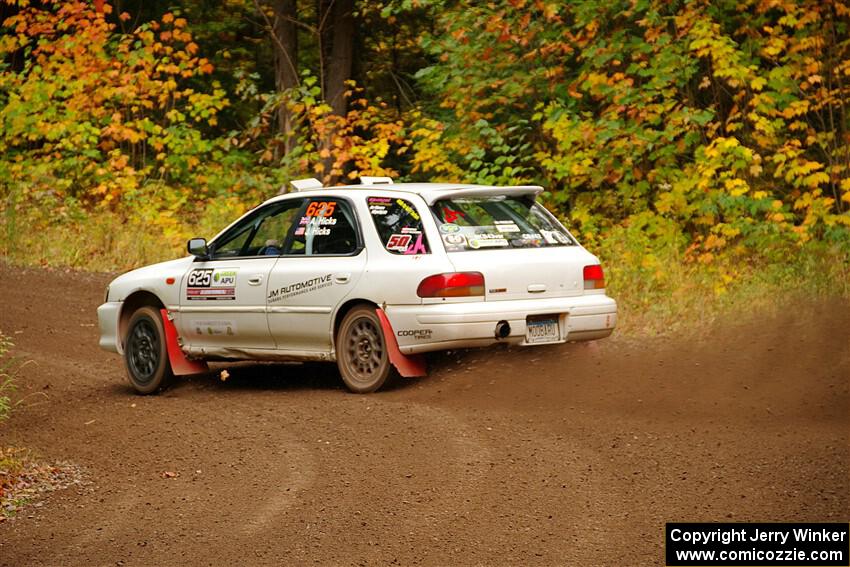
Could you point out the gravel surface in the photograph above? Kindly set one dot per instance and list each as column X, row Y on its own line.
column 562, row 455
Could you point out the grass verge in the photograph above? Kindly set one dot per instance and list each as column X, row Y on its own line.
column 690, row 296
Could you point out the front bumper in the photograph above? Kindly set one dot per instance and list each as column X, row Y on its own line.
column 439, row 326
column 108, row 316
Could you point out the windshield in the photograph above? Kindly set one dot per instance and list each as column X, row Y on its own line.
column 499, row 221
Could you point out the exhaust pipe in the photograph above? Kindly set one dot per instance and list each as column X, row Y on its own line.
column 503, row 329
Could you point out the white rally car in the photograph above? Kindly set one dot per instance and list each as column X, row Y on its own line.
column 369, row 275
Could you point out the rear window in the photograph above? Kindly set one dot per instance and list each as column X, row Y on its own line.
column 398, row 225
column 499, row 221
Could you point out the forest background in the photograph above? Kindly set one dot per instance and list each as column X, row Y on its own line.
column 700, row 148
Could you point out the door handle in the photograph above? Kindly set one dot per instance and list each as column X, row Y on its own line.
column 342, row 278
column 255, row 280
column 537, row 288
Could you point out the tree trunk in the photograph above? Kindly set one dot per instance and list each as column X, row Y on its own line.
column 285, row 45
column 338, row 69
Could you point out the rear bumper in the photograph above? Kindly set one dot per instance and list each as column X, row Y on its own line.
column 424, row 328
column 108, row 316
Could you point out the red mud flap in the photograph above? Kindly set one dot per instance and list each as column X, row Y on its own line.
column 408, row 366
column 180, row 365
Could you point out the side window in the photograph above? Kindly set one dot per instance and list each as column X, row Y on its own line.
column 324, row 227
column 263, row 233
column 398, row 225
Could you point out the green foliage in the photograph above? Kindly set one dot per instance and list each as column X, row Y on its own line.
column 7, row 384
column 727, row 119
column 696, row 146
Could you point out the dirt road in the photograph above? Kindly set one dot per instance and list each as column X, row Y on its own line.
column 575, row 454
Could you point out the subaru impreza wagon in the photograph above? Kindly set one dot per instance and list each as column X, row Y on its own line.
column 370, row 276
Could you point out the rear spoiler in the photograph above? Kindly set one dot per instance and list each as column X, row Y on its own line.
column 433, row 197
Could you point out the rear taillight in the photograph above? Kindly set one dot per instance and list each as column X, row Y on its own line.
column 593, row 277
column 456, row 284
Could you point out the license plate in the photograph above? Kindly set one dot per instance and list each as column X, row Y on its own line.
column 542, row 330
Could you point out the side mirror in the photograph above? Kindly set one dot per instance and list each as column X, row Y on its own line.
column 198, row 247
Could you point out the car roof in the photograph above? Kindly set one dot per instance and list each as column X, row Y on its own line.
column 430, row 192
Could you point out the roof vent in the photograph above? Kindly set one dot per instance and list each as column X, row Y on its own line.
column 306, row 184
column 376, row 180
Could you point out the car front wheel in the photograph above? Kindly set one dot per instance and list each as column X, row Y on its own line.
column 362, row 355
column 145, row 353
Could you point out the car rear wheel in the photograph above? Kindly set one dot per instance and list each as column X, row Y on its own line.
column 145, row 353
column 362, row 355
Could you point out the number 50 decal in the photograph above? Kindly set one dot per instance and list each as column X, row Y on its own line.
column 321, row 208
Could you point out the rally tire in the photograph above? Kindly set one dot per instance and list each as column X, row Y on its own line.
column 145, row 352
column 362, row 354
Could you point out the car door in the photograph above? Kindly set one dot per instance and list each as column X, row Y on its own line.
column 223, row 298
column 323, row 260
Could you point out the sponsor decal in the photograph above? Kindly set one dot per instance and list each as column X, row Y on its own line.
column 449, row 228
column 410, row 230
column 487, row 241
column 224, row 277
column 562, row 238
column 418, row 246
column 300, row 288
column 378, row 205
column 506, row 226
column 211, row 284
column 549, row 236
column 454, row 239
column 450, row 215
column 407, row 208
column 213, row 327
column 497, row 290
column 418, row 334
